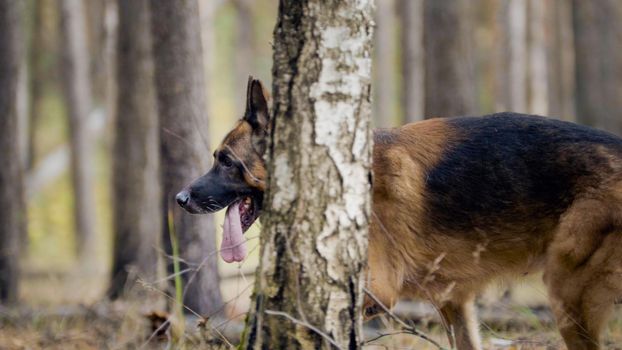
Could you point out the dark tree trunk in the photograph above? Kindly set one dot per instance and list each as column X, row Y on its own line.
column 184, row 148
column 37, row 75
column 136, row 185
column 77, row 90
column 411, row 15
column 43, row 60
column 12, row 206
column 450, row 86
column 598, row 54
column 314, row 236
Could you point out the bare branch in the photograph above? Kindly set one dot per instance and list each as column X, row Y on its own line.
column 304, row 324
column 407, row 328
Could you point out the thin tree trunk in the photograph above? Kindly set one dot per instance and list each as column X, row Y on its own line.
column 314, row 237
column 411, row 15
column 12, row 206
column 101, row 19
column 538, row 52
column 207, row 9
column 37, row 74
column 77, row 92
column 384, row 63
column 561, row 60
column 94, row 19
column 184, row 148
column 109, row 58
column 43, row 59
column 136, row 185
column 512, row 57
column 23, row 110
column 598, row 54
column 244, row 53
column 450, row 86
column 23, row 120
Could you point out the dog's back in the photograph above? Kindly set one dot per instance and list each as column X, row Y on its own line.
column 507, row 169
column 459, row 201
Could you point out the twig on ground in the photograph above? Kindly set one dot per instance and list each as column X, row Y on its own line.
column 407, row 328
column 304, row 324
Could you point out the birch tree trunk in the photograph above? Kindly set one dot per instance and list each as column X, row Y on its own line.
column 450, row 86
column 384, row 64
column 184, row 145
column 136, row 181
column 77, row 90
column 308, row 290
column 12, row 206
column 411, row 15
column 598, row 54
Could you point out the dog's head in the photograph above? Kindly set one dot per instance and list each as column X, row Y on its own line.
column 236, row 180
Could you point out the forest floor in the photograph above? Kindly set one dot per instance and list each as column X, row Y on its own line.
column 59, row 313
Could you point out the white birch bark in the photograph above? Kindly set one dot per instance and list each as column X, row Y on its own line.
column 308, row 291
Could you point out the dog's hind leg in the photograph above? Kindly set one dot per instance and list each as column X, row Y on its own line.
column 583, row 273
column 460, row 320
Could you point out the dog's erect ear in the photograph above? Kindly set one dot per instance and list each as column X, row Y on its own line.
column 257, row 110
column 258, row 113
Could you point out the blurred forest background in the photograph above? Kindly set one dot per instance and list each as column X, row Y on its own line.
column 99, row 149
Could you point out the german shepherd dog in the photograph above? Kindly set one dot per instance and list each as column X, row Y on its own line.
column 458, row 202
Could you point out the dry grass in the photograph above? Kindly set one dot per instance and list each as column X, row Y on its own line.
column 62, row 310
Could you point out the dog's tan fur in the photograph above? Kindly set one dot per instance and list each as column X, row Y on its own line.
column 408, row 257
column 411, row 256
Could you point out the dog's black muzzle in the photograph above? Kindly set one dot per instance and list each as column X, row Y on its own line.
column 212, row 192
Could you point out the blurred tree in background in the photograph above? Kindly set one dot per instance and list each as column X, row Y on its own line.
column 136, row 179
column 77, row 93
column 411, row 40
column 12, row 207
column 384, row 47
column 184, row 146
column 598, row 52
column 449, row 60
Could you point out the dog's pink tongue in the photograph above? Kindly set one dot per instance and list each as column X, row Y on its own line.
column 233, row 246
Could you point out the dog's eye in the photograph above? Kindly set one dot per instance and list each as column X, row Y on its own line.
column 226, row 162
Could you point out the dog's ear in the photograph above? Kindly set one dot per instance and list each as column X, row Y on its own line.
column 257, row 109
column 258, row 113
